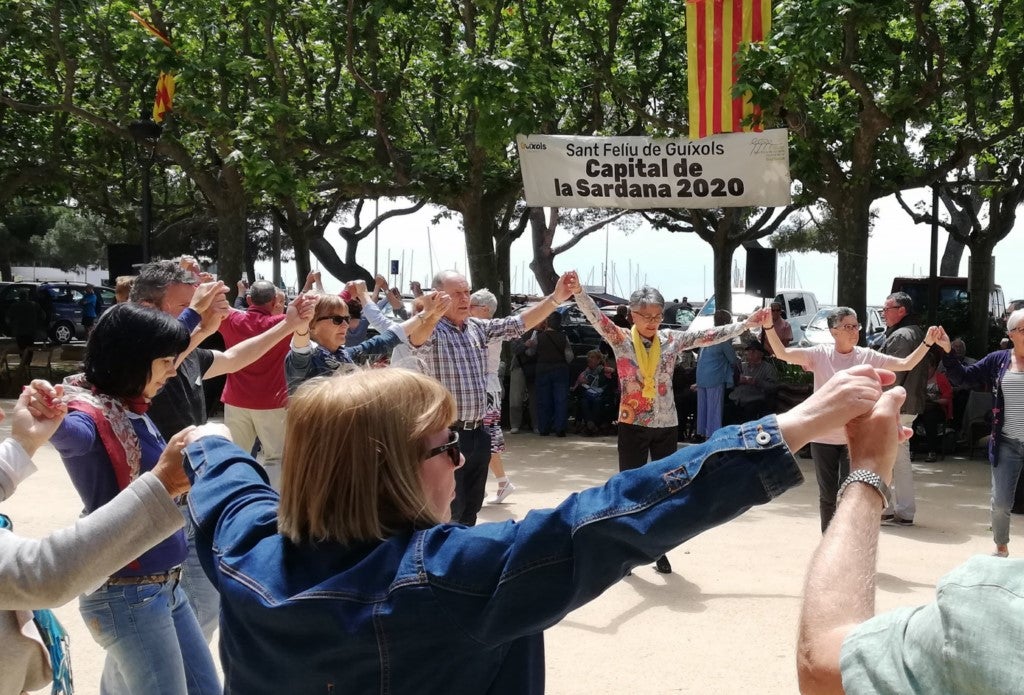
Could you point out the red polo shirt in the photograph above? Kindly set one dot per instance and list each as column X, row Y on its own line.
column 261, row 385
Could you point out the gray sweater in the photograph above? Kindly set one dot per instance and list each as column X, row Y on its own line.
column 50, row 572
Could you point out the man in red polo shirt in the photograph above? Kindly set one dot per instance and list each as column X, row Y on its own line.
column 255, row 397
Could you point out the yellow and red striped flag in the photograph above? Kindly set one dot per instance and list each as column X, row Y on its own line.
column 714, row 31
column 164, row 100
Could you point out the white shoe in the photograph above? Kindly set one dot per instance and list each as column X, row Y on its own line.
column 503, row 492
column 514, row 430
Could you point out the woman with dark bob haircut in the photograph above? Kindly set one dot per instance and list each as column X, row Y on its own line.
column 140, row 615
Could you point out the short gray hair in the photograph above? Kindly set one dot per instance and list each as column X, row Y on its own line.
column 438, row 282
column 154, row 278
column 1015, row 318
column 838, row 314
column 485, row 298
column 902, row 299
column 262, row 292
column 646, row 296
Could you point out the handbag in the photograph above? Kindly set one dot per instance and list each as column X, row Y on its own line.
column 55, row 639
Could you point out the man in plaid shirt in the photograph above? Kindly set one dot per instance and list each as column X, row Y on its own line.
column 456, row 355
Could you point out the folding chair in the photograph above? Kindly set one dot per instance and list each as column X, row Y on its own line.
column 42, row 361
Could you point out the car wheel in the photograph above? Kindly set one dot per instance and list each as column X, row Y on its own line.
column 62, row 332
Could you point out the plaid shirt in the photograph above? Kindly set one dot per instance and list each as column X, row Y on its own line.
column 457, row 357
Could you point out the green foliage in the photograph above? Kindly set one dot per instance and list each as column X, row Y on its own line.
column 76, row 240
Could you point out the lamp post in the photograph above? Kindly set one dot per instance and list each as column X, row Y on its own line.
column 146, row 132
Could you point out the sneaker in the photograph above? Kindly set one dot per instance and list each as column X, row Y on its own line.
column 902, row 522
column 514, row 430
column 662, row 566
column 887, row 518
column 503, row 492
column 931, row 457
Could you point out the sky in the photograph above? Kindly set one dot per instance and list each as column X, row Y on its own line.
column 677, row 264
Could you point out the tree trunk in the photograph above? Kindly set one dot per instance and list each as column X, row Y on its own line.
column 723, row 252
column 275, row 254
column 951, row 256
column 853, row 252
column 979, row 285
column 543, row 263
column 232, row 228
column 478, row 225
column 332, row 263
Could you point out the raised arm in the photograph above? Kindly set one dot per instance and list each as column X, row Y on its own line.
column 840, row 590
column 719, row 334
column 539, row 312
column 792, row 355
column 210, row 304
column 936, row 335
column 248, row 351
column 612, row 334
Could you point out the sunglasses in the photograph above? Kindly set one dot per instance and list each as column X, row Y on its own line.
column 336, row 320
column 451, row 447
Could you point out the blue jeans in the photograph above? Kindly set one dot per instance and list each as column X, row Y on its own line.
column 152, row 640
column 1008, row 463
column 552, row 391
column 201, row 594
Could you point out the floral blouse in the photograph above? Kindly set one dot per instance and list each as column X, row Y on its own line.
column 634, row 409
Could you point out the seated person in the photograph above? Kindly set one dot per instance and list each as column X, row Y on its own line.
column 938, row 410
column 591, row 393
column 754, row 394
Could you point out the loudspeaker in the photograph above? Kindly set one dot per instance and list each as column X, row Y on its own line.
column 761, row 272
column 121, row 258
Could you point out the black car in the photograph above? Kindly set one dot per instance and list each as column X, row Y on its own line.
column 59, row 301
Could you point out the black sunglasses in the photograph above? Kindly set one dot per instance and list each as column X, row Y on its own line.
column 336, row 320
column 451, row 447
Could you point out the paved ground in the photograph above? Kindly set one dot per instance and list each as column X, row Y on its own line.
column 724, row 622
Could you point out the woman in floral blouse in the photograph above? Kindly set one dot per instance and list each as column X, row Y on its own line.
column 645, row 358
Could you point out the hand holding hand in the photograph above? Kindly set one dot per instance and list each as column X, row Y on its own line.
column 206, row 294
column 416, row 289
column 190, row 264
column 760, row 318
column 169, row 468
column 356, row 288
column 568, row 285
column 873, row 436
column 380, row 282
column 300, row 311
column 210, row 429
column 37, row 414
column 936, row 335
column 436, row 304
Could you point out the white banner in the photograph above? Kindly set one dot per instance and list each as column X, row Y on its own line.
column 726, row 170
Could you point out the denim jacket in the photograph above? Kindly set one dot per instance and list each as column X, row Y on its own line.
column 448, row 609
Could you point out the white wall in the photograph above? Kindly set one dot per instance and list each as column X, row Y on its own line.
column 96, row 276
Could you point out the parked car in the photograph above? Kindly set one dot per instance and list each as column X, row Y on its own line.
column 60, row 301
column 797, row 306
column 816, row 331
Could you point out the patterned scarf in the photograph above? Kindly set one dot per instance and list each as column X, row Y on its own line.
column 647, row 362
column 110, row 416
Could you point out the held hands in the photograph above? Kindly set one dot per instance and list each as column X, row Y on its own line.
column 210, row 294
column 936, row 335
column 300, row 311
column 380, row 282
column 169, row 468
column 568, row 285
column 37, row 414
column 436, row 304
column 356, row 289
column 416, row 288
column 873, row 436
column 760, row 318
column 210, row 429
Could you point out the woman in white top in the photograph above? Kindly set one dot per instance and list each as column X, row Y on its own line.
column 831, row 457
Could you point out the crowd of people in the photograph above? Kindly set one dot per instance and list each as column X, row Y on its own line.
column 346, row 556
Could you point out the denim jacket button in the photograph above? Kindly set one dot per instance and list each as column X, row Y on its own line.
column 763, row 438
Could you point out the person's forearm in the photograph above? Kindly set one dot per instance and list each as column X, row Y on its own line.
column 540, row 311
column 248, row 351
column 840, row 588
column 905, row 364
column 612, row 334
column 378, row 321
column 778, row 349
column 419, row 327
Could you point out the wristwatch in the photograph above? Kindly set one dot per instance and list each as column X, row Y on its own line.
column 868, row 478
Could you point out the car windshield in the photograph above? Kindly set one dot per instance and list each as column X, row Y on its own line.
column 820, row 320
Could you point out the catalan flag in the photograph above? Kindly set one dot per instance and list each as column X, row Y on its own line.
column 714, row 31
column 164, row 100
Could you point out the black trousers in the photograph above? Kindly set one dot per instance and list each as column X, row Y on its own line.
column 636, row 443
column 471, row 479
column 831, row 466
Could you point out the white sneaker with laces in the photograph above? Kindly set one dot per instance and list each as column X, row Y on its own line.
column 503, row 492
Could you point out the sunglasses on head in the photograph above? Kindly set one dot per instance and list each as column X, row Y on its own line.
column 337, row 320
column 451, row 447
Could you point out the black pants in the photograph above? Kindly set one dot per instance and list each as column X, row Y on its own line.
column 635, row 443
column 831, row 466
column 471, row 479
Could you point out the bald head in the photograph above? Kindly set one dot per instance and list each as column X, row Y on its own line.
column 262, row 293
column 457, row 287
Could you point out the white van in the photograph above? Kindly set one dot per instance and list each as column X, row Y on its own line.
column 797, row 305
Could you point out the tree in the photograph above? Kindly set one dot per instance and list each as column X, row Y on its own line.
column 76, row 240
column 870, row 92
column 725, row 229
column 582, row 223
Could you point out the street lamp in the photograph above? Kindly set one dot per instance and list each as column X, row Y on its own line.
column 146, row 132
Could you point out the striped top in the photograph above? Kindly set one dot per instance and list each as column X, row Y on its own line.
column 1013, row 398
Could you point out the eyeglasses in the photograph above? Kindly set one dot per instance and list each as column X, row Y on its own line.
column 847, row 327
column 336, row 319
column 451, row 447
column 649, row 319
column 1018, row 329
column 889, row 308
